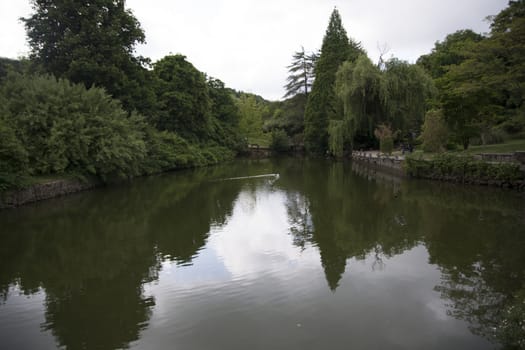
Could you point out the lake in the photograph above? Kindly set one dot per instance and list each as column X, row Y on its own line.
column 266, row 254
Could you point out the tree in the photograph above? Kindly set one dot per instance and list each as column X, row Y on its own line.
column 301, row 73
column 225, row 116
column 396, row 95
column 405, row 92
column 450, row 51
column 91, row 42
column 184, row 101
column 485, row 90
column 434, row 132
column 64, row 127
column 251, row 112
column 358, row 87
column 321, row 104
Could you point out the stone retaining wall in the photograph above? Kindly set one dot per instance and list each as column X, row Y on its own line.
column 47, row 190
column 393, row 164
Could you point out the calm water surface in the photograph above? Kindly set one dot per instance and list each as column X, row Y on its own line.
column 315, row 255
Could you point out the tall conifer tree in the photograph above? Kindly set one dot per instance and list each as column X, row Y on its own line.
column 321, row 105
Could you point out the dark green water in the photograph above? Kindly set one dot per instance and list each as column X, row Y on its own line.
column 324, row 256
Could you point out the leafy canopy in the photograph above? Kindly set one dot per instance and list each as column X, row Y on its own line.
column 91, row 42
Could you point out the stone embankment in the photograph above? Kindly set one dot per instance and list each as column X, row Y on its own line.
column 501, row 170
column 515, row 157
column 256, row 151
column 42, row 191
column 393, row 164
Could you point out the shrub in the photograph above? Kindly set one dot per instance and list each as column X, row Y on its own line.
column 280, row 141
column 462, row 169
column 386, row 138
column 434, row 132
column 50, row 126
column 13, row 158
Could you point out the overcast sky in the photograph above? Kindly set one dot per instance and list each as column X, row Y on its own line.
column 248, row 43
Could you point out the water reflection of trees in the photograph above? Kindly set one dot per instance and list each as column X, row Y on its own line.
column 475, row 237
column 92, row 253
column 343, row 216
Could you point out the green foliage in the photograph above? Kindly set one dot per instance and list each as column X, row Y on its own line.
column 322, row 103
column 405, row 91
column 91, row 42
column 13, row 157
column 183, row 98
column 336, row 137
column 434, row 132
column 462, row 169
column 480, row 78
column 301, row 73
column 358, row 86
column 396, row 95
column 10, row 65
column 225, row 116
column 50, row 126
column 251, row 116
column 450, row 51
column 280, row 141
column 289, row 116
column 64, row 127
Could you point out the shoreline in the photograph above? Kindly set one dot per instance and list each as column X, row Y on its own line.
column 424, row 169
column 47, row 190
column 395, row 165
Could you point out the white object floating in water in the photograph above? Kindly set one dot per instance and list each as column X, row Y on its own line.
column 274, row 176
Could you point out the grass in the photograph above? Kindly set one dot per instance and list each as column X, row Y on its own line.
column 506, row 147
column 263, row 140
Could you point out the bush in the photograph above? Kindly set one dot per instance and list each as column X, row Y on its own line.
column 65, row 127
column 50, row 126
column 13, row 158
column 386, row 138
column 462, row 169
column 434, row 132
column 280, row 141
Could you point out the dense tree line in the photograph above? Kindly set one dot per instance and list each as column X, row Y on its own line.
column 480, row 79
column 468, row 89
column 350, row 97
column 85, row 104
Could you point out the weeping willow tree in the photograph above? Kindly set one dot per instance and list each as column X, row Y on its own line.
column 405, row 90
column 396, row 96
column 358, row 86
